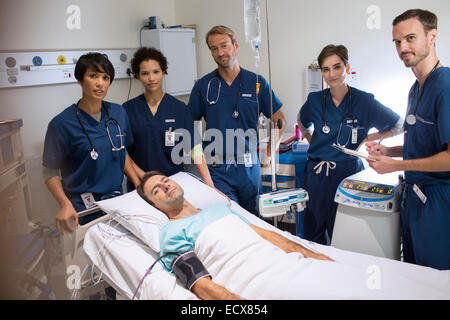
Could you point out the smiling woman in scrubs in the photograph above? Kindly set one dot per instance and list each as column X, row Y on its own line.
column 154, row 117
column 341, row 115
column 86, row 144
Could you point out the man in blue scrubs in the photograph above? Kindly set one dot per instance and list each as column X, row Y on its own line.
column 425, row 205
column 230, row 99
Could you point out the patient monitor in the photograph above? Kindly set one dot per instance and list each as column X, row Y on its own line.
column 368, row 214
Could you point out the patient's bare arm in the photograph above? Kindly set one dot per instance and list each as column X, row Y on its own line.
column 207, row 289
column 287, row 245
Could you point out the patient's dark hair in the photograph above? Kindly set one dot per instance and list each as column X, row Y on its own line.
column 140, row 188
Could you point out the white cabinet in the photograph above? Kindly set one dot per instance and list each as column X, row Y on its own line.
column 178, row 45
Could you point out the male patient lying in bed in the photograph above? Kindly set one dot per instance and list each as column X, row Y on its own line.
column 187, row 222
column 215, row 243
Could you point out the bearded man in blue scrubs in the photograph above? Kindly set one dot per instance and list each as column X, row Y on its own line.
column 425, row 205
column 230, row 99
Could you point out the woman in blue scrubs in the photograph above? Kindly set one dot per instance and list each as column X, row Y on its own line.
column 156, row 119
column 86, row 143
column 340, row 115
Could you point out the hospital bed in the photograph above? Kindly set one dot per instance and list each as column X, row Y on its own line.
column 117, row 256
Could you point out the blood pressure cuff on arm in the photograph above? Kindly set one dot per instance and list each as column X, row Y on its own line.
column 189, row 269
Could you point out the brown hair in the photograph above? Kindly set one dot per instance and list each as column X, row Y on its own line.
column 331, row 49
column 221, row 30
column 144, row 179
column 428, row 19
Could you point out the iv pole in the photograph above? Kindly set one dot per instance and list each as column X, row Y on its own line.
column 272, row 124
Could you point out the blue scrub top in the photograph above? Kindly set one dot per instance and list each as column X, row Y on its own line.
column 67, row 147
column 367, row 111
column 149, row 149
column 423, row 140
column 220, row 115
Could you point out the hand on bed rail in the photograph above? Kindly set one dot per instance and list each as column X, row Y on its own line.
column 63, row 218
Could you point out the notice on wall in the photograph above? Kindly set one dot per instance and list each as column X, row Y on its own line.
column 314, row 80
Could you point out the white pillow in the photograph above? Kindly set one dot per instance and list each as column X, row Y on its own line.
column 136, row 215
column 199, row 194
column 144, row 220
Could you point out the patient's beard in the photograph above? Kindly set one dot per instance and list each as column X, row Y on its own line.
column 177, row 202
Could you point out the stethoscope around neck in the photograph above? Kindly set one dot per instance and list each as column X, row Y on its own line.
column 93, row 153
column 326, row 129
column 412, row 118
column 216, row 77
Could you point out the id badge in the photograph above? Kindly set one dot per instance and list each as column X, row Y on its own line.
column 354, row 135
column 248, row 160
column 88, row 200
column 215, row 162
column 419, row 193
column 170, row 138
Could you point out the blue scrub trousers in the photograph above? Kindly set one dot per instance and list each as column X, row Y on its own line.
column 320, row 212
column 426, row 227
column 239, row 183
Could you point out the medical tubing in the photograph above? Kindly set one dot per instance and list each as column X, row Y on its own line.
column 78, row 283
column 93, row 282
column 268, row 58
column 149, row 270
column 257, row 116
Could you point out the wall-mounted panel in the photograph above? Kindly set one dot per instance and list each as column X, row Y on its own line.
column 21, row 69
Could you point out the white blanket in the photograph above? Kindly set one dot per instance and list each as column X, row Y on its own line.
column 249, row 266
column 240, row 260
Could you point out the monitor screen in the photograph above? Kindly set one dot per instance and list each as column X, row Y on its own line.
column 367, row 187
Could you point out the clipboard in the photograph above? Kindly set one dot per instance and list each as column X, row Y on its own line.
column 352, row 152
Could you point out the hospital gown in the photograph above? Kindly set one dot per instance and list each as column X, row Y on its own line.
column 179, row 236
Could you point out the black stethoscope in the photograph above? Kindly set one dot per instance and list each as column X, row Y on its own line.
column 93, row 153
column 216, row 76
column 326, row 129
column 412, row 118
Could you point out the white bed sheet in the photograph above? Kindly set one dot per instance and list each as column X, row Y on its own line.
column 124, row 260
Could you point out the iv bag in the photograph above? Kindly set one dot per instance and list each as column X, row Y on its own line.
column 252, row 22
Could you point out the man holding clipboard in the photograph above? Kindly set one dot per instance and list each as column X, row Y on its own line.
column 425, row 213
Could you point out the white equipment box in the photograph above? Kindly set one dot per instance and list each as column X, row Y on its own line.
column 15, row 205
column 178, row 46
column 277, row 203
column 368, row 214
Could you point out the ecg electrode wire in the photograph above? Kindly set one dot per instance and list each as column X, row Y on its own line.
column 150, row 270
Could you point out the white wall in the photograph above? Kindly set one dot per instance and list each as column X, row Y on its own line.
column 41, row 25
column 299, row 29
